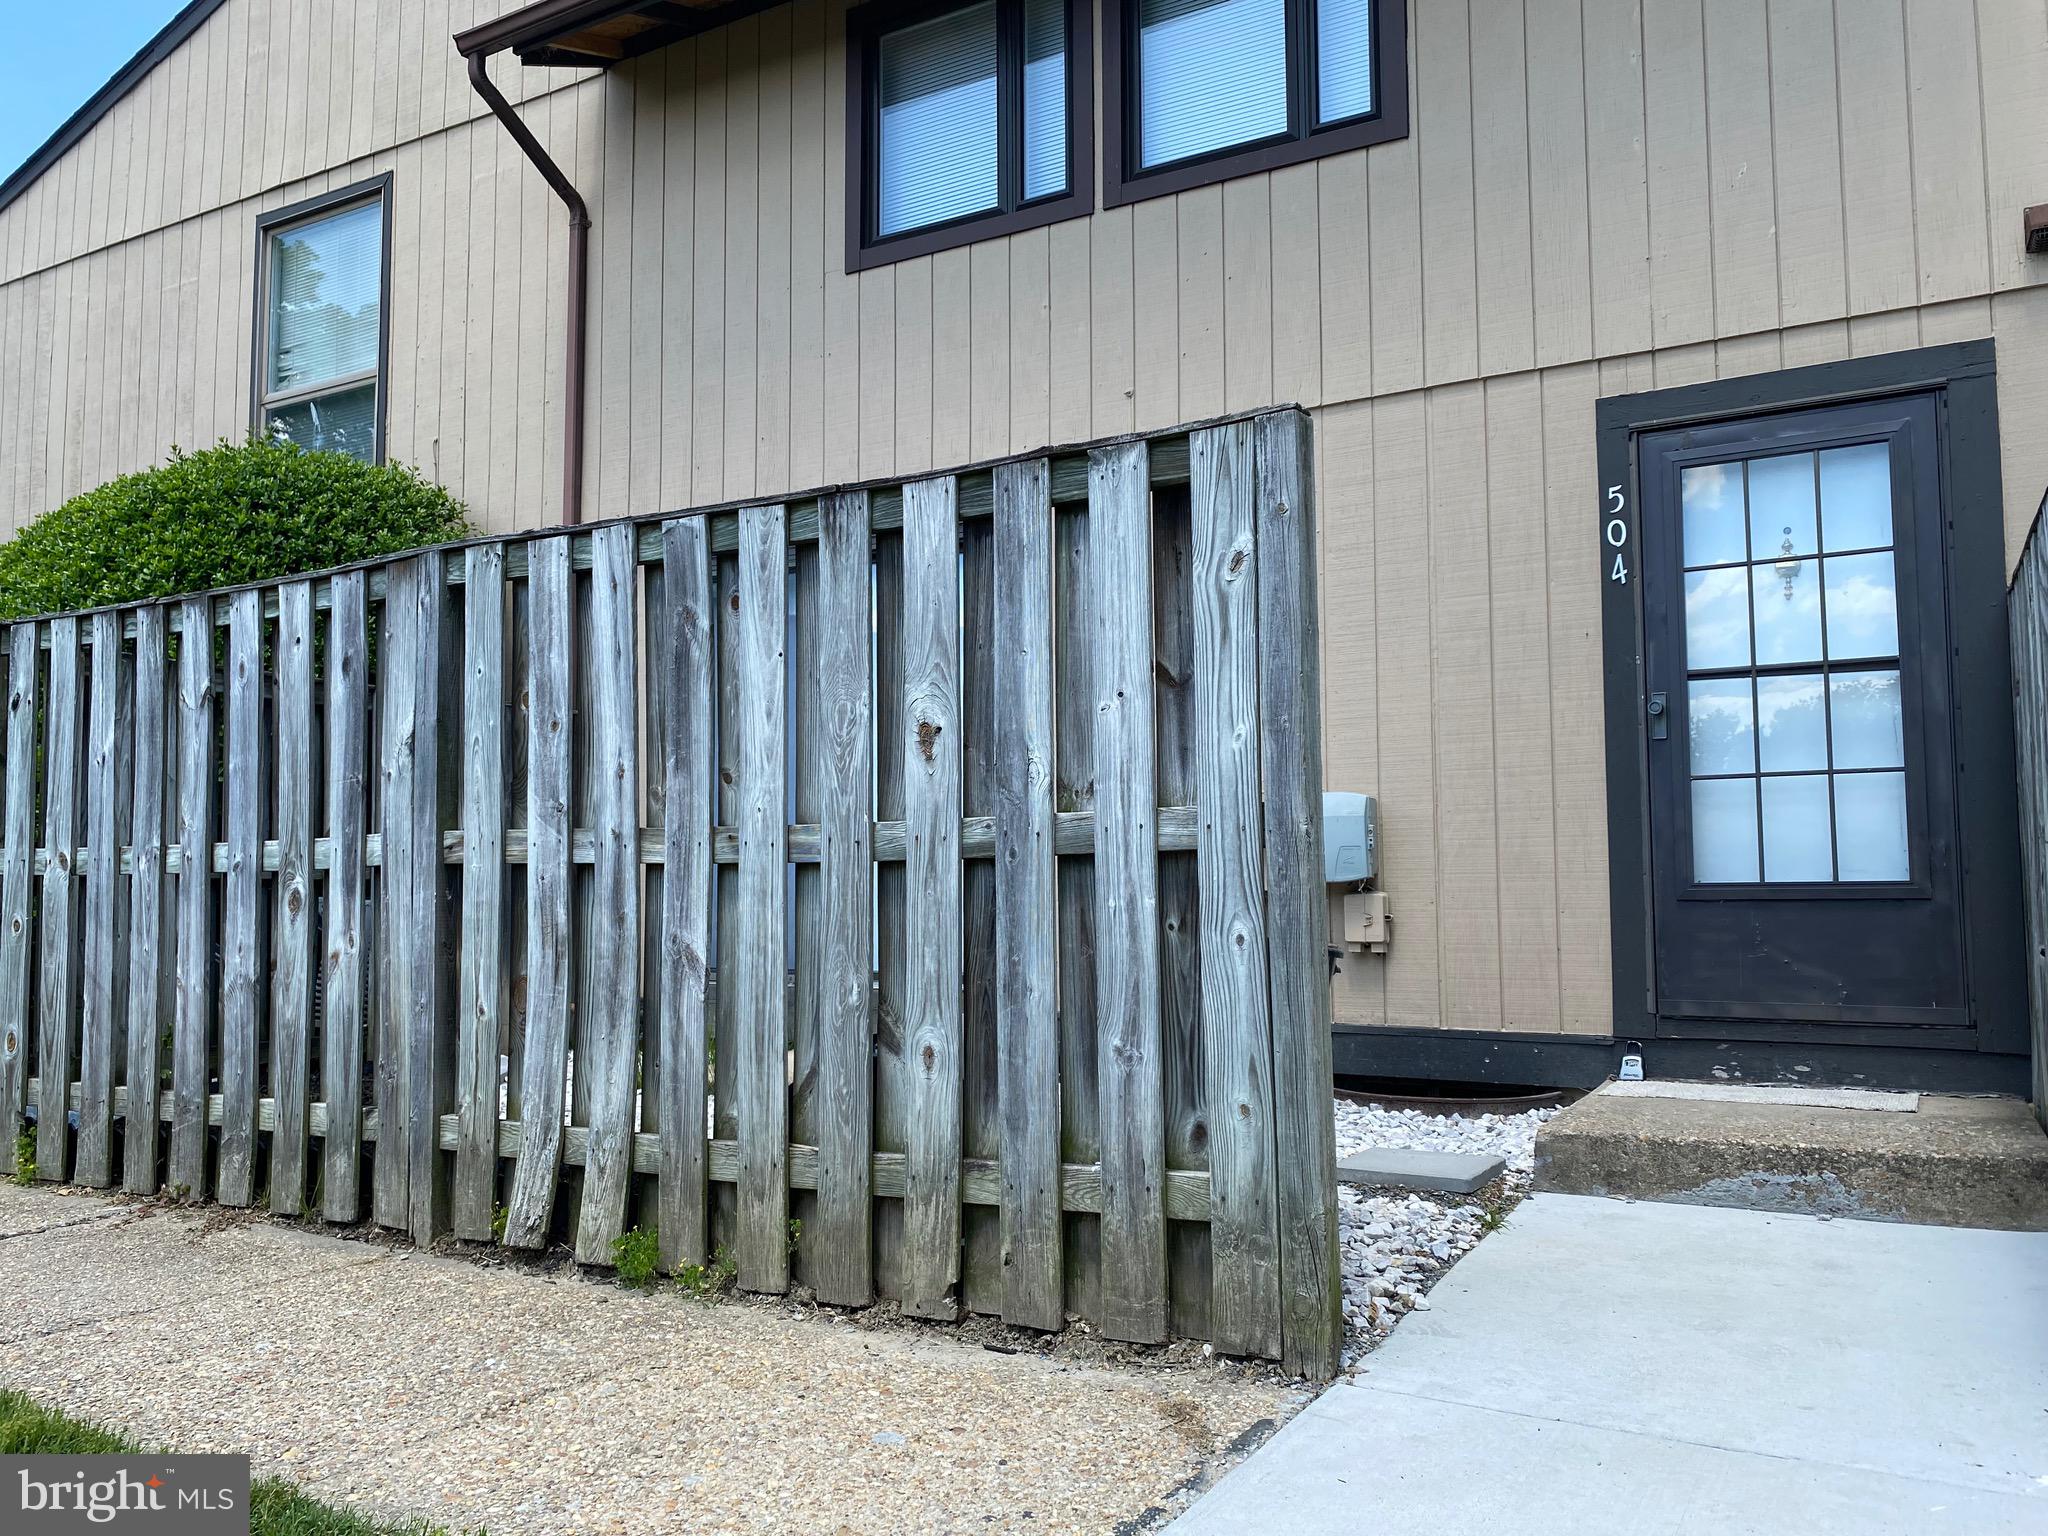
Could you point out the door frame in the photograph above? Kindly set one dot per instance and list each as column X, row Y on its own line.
column 1963, row 378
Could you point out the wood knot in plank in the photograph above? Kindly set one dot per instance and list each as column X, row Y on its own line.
column 927, row 738
column 1237, row 560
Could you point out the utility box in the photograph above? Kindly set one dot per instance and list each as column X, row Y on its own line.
column 1350, row 843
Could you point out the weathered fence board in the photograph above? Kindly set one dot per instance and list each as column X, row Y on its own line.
column 2028, row 617
column 935, row 864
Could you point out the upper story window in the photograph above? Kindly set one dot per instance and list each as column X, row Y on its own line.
column 321, row 333
column 1200, row 90
column 965, row 122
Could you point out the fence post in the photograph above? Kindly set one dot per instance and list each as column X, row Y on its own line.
column 1291, row 752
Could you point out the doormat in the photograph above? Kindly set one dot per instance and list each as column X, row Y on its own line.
column 1747, row 1093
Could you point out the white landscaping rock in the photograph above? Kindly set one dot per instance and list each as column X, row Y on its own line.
column 1395, row 1246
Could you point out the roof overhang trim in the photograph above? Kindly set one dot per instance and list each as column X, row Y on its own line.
column 596, row 34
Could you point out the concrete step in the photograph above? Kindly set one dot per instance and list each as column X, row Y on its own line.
column 1950, row 1162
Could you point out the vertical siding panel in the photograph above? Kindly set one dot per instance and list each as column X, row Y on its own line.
column 1030, row 339
column 1877, row 165
column 1825, row 341
column 1681, row 212
column 236, row 128
column 1345, row 273
column 2022, row 322
column 842, row 296
column 1202, row 280
column 384, row 28
column 1112, row 321
column 1501, row 189
column 772, row 341
column 1155, row 241
column 613, row 327
column 513, row 360
column 1743, row 191
column 989, row 334
column 953, row 372
column 460, row 249
column 1943, row 90
column 1962, row 320
column 912, row 350
column 678, row 292
column 743, row 193
column 707, row 425
column 1247, row 300
column 1522, row 688
column 486, row 259
column 649, row 184
column 1443, row 133
column 877, row 290
column 259, row 59
column 1072, row 403
column 1394, row 231
column 814, row 182
column 1468, row 881
column 2013, row 47
column 1806, row 163
column 1617, row 174
column 401, row 428
column 1407, row 782
column 1297, row 299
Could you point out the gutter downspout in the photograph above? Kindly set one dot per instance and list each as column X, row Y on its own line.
column 579, row 284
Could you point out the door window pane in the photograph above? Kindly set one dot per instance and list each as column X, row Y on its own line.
column 1796, row 829
column 326, row 298
column 1863, row 606
column 1343, row 59
column 1718, row 725
column 1787, row 597
column 1781, row 518
column 1792, row 727
column 936, row 147
column 1724, row 831
column 1856, row 497
column 1716, row 619
column 1211, row 74
column 1870, row 826
column 343, row 422
column 1869, row 724
column 1711, row 499
column 1045, row 98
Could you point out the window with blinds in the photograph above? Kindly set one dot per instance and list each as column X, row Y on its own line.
column 1201, row 90
column 323, row 296
column 970, row 122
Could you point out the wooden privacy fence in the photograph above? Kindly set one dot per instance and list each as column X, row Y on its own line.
column 918, row 887
column 2028, row 611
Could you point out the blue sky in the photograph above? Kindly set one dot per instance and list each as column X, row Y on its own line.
column 59, row 54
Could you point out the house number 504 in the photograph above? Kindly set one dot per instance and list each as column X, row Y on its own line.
column 1617, row 534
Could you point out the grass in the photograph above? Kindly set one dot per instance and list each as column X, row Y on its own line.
column 25, row 1159
column 275, row 1508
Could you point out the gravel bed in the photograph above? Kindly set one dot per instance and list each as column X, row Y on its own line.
column 1396, row 1244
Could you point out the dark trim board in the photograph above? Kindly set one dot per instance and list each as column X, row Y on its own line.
column 1586, row 1061
column 1963, row 377
column 126, row 78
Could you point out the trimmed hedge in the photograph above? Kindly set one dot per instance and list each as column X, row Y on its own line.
column 235, row 513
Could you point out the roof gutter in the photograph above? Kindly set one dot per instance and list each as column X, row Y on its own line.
column 579, row 281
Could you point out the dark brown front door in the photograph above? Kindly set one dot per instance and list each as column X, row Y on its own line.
column 1802, row 783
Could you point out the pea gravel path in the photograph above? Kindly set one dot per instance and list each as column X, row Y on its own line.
column 537, row 1402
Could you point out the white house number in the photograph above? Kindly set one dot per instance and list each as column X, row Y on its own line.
column 1617, row 534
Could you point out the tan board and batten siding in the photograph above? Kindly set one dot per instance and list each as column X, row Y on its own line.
column 1599, row 196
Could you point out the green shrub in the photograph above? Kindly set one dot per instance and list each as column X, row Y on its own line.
column 235, row 513
column 637, row 1257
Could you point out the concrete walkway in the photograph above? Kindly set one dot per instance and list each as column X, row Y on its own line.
column 1604, row 1367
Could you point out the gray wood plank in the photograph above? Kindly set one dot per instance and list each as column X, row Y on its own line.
column 932, row 764
column 480, row 1017
column 416, row 884
column 982, row 1284
column 544, row 1063
column 762, row 1086
column 152, row 936
column 1291, row 755
column 18, row 876
column 656, row 688
column 241, row 953
column 291, row 920
column 398, row 673
column 892, row 1065
column 806, row 937
column 57, row 982
column 1245, row 1304
column 343, row 977
column 609, row 1057
column 194, row 1003
column 842, row 1271
column 689, row 732
column 726, row 935
column 1127, row 900
column 102, row 1042
column 1027, row 915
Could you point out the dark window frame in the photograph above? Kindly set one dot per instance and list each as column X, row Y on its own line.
column 1125, row 181
column 865, row 27
column 375, row 189
column 1964, row 377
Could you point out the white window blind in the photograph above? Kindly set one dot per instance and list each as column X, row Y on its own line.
column 342, row 422
column 1211, row 73
column 1045, row 98
column 936, row 156
column 1343, row 60
column 326, row 299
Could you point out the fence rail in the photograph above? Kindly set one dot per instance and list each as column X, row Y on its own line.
column 912, row 890
column 2028, row 608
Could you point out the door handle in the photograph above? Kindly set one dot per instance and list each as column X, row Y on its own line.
column 1660, row 725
